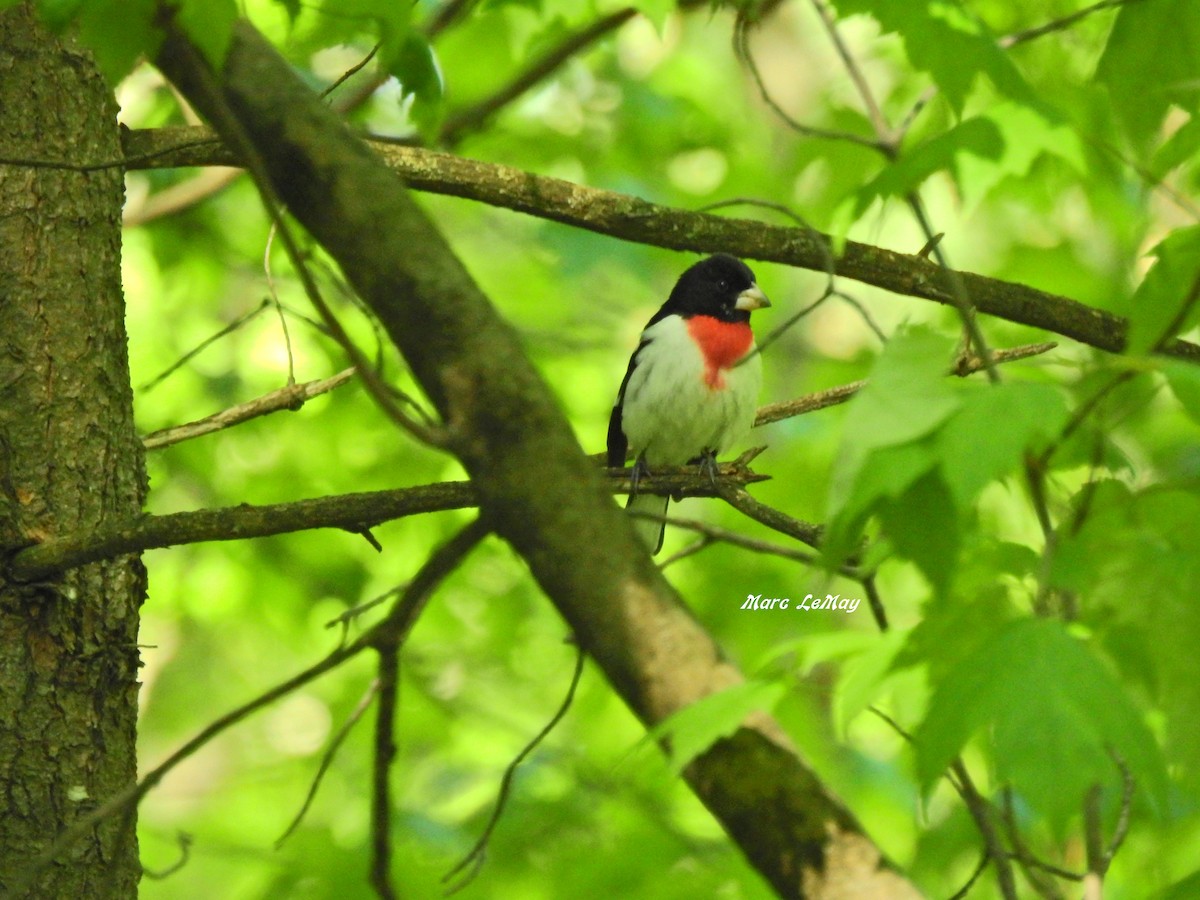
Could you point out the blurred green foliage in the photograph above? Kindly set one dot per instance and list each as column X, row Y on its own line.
column 1040, row 162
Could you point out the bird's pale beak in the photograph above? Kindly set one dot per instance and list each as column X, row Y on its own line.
column 752, row 298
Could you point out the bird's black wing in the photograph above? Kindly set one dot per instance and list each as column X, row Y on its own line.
column 618, row 443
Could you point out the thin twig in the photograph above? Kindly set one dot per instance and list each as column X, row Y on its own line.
column 203, row 345
column 475, row 856
column 713, row 533
column 742, row 48
column 962, row 892
column 1043, row 886
column 877, row 608
column 740, row 499
column 692, row 549
column 287, row 338
column 1060, row 24
column 447, row 15
column 981, row 812
column 883, row 131
column 381, row 771
column 350, row 72
column 291, row 398
column 1124, row 814
column 476, row 116
column 184, row 840
column 327, row 760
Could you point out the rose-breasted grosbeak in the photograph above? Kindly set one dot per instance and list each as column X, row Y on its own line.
column 685, row 397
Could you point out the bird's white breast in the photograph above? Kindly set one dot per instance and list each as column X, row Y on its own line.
column 672, row 413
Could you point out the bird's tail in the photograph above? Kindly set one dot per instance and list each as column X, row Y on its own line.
column 650, row 530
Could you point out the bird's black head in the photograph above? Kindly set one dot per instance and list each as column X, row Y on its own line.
column 721, row 286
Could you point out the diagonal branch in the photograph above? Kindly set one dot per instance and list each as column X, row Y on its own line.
column 477, row 116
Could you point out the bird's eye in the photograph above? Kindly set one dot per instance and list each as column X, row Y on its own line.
column 723, row 285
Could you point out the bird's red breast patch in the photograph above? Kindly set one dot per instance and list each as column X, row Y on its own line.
column 721, row 343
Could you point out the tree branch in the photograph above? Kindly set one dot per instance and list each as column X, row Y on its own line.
column 354, row 513
column 633, row 219
column 292, row 396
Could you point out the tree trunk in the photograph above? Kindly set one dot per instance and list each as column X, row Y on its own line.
column 69, row 461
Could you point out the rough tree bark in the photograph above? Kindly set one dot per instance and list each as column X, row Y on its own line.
column 70, row 461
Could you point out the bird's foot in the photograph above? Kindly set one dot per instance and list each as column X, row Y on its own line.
column 639, row 471
column 708, row 465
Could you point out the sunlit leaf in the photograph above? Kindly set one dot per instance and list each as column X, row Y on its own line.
column 1184, row 379
column 1167, row 301
column 698, row 726
column 949, row 42
column 119, row 32
column 413, row 64
column 209, row 25
column 57, row 14
column 1151, row 61
column 987, row 438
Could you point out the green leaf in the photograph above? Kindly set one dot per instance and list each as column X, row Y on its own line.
column 1184, row 379
column 1151, row 61
column 1157, row 309
column 119, row 33
column 209, row 25
column 975, row 136
column 1027, row 134
column 986, row 439
column 906, row 397
column 923, row 526
column 698, row 726
column 1178, row 148
column 57, row 14
column 1053, row 711
column 413, row 64
column 292, row 8
column 657, row 12
column 949, row 42
column 863, row 676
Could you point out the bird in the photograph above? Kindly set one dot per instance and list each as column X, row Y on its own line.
column 691, row 388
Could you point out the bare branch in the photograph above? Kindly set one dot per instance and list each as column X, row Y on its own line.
column 387, row 637
column 632, row 219
column 741, row 44
column 381, row 771
column 291, row 397
column 979, row 870
column 355, row 513
column 966, row 365
column 327, row 758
